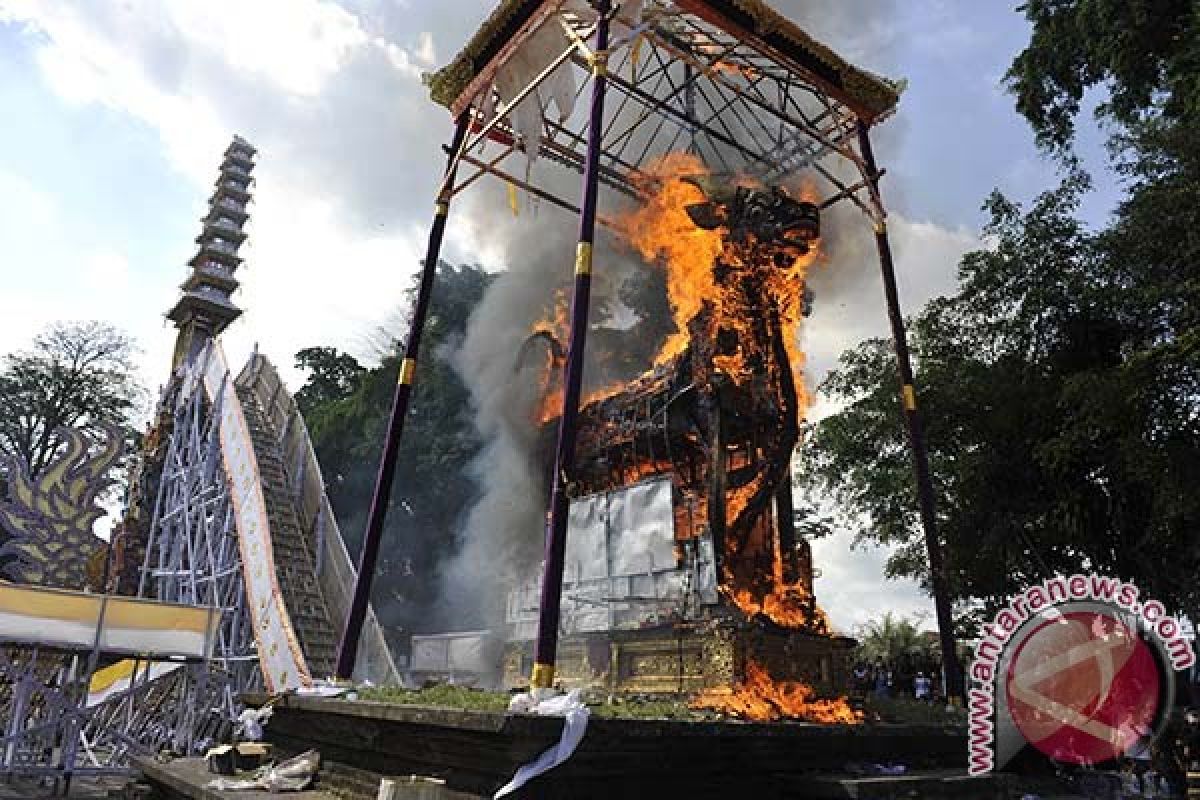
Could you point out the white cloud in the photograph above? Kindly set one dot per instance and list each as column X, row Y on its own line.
column 852, row 590
column 24, row 206
column 426, row 54
column 343, row 128
column 848, row 305
column 106, row 271
column 309, row 40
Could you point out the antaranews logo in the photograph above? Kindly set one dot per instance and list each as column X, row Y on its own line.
column 1078, row 667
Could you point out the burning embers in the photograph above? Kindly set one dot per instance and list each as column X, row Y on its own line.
column 761, row 699
column 720, row 409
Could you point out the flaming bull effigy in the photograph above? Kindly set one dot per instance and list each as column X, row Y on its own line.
column 712, row 426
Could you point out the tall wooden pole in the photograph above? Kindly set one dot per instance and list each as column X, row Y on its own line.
column 546, row 646
column 916, row 433
column 352, row 630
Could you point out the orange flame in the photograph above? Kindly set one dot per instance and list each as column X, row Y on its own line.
column 789, row 606
column 555, row 323
column 761, row 699
column 663, row 233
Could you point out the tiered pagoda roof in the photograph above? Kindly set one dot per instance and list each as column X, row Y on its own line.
column 206, row 307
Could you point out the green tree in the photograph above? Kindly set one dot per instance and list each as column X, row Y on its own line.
column 1144, row 53
column 332, row 375
column 1061, row 383
column 893, row 639
column 1057, row 441
column 346, row 407
column 1145, row 56
column 76, row 374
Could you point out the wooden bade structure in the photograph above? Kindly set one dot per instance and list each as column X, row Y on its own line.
column 602, row 90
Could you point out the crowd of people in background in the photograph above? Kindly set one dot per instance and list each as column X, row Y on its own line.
column 915, row 678
column 1158, row 768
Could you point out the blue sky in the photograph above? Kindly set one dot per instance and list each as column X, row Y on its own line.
column 113, row 117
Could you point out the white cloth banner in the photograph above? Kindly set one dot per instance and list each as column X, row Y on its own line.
column 575, row 714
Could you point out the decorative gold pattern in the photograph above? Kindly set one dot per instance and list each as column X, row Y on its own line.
column 599, row 62
column 910, row 397
column 49, row 517
column 648, row 660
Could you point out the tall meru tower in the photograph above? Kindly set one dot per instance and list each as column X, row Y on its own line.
column 205, row 309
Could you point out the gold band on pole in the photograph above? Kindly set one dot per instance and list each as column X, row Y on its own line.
column 583, row 258
column 408, row 370
column 542, row 677
column 441, row 209
column 910, row 397
column 599, row 62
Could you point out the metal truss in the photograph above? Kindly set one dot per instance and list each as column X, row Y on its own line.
column 52, row 732
column 684, row 84
column 192, row 555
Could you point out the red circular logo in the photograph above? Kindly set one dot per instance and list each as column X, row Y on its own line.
column 1083, row 688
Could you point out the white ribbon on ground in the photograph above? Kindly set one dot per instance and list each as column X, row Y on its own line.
column 575, row 714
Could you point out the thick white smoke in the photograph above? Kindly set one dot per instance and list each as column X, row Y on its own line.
column 501, row 541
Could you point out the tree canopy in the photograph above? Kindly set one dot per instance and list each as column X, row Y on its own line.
column 1061, row 382
column 892, row 639
column 1056, row 443
column 76, row 374
column 1145, row 54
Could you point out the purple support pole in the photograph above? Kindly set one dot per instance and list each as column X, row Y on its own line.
column 564, row 457
column 916, row 437
column 352, row 630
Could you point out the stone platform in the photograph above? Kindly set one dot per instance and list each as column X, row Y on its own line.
column 476, row 752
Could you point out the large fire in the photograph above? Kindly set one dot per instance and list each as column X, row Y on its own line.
column 735, row 256
column 663, row 233
column 761, row 699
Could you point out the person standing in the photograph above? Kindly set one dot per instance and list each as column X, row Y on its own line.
column 922, row 687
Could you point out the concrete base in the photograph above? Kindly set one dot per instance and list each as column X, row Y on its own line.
column 184, row 779
column 476, row 752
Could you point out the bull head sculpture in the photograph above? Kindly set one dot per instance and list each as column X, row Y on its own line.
column 770, row 217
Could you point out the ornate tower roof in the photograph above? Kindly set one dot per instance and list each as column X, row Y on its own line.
column 205, row 308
